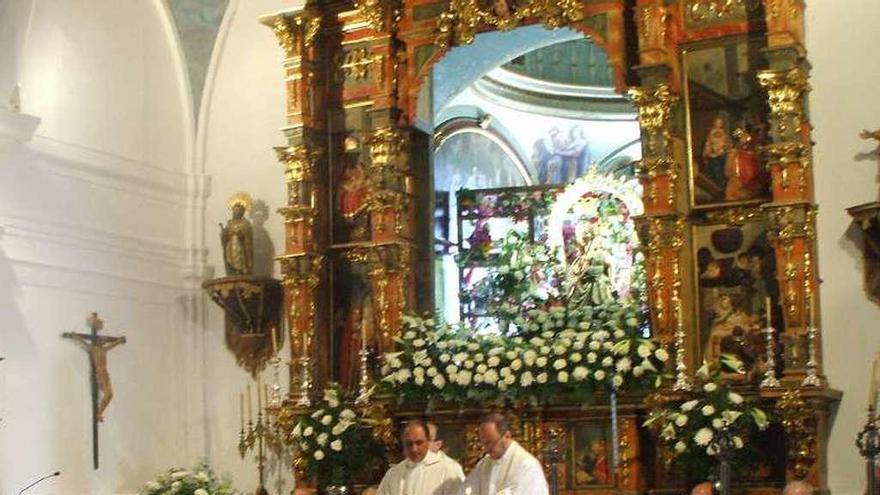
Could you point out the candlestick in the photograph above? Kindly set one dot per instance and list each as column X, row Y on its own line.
column 770, row 380
column 682, row 381
column 812, row 379
column 241, row 409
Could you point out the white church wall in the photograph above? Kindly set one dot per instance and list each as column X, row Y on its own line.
column 244, row 111
column 91, row 220
column 843, row 102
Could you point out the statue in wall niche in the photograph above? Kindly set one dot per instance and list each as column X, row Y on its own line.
column 237, row 238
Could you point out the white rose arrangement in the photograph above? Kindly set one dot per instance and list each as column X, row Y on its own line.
column 692, row 428
column 333, row 440
column 200, row 480
column 577, row 352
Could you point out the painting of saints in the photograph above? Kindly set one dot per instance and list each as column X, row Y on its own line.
column 736, row 276
column 592, row 462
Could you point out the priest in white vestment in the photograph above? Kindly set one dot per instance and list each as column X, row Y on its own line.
column 507, row 468
column 423, row 472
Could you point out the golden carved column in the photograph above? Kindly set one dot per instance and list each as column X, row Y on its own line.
column 390, row 207
column 652, row 18
column 792, row 212
column 302, row 264
column 661, row 225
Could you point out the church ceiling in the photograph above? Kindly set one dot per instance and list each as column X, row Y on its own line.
column 197, row 23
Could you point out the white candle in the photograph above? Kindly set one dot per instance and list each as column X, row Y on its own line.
column 274, row 342
column 812, row 322
column 767, row 310
column 875, row 376
column 241, row 408
column 249, row 403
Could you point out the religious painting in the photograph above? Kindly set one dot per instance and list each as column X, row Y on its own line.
column 736, row 279
column 592, row 456
column 727, row 123
column 562, row 155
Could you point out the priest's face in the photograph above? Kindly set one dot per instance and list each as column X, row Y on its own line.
column 494, row 443
column 415, row 443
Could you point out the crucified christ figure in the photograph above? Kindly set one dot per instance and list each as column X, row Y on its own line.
column 97, row 347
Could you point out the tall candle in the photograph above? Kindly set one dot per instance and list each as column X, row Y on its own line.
column 812, row 322
column 249, row 416
column 875, row 373
column 274, row 342
column 241, row 408
column 259, row 394
column 266, row 394
column 767, row 311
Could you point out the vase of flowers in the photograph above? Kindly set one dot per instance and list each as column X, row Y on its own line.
column 335, row 443
column 200, row 480
column 712, row 423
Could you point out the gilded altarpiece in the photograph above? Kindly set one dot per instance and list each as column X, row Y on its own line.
column 358, row 227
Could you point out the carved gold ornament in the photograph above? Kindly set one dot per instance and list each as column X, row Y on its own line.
column 785, row 90
column 655, row 105
column 376, row 12
column 800, row 427
column 296, row 31
column 463, row 18
column 300, row 162
column 652, row 25
column 710, row 10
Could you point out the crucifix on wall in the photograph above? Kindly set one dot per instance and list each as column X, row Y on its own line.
column 97, row 347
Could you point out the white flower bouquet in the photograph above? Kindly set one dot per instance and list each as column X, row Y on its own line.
column 574, row 352
column 693, row 430
column 200, row 480
column 334, row 441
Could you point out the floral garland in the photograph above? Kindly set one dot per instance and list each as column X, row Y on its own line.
column 570, row 352
column 693, row 428
column 334, row 440
column 200, row 480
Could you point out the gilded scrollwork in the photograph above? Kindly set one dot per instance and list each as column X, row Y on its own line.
column 463, row 19
column 376, row 13
column 799, row 422
column 655, row 105
column 300, row 162
column 736, row 216
column 297, row 31
column 785, row 91
column 701, row 11
column 652, row 21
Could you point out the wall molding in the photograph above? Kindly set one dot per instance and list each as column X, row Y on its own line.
column 109, row 170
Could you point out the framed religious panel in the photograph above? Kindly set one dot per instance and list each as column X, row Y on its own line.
column 736, row 279
column 591, row 455
column 726, row 122
column 349, row 181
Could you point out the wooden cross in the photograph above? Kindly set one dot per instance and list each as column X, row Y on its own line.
column 97, row 347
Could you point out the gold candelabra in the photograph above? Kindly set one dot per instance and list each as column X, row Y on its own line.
column 258, row 435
